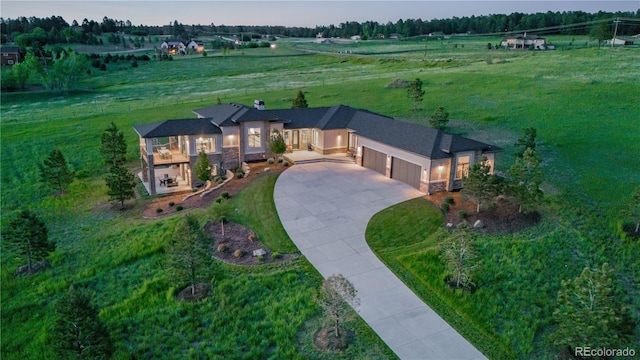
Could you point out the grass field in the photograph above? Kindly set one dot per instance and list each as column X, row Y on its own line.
column 583, row 101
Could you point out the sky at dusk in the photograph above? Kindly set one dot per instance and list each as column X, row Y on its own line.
column 289, row 13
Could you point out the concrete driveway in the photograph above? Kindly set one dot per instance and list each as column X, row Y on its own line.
column 325, row 208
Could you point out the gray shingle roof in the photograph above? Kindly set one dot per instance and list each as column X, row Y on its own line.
column 177, row 127
column 421, row 140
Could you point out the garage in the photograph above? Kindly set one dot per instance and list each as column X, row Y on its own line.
column 406, row 172
column 374, row 160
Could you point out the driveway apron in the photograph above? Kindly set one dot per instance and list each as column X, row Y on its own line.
column 325, row 209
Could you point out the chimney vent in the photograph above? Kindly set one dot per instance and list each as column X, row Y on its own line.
column 258, row 104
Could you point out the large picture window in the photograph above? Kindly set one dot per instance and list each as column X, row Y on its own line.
column 206, row 145
column 463, row 167
column 253, row 138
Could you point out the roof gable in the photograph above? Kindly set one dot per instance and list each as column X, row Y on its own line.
column 198, row 126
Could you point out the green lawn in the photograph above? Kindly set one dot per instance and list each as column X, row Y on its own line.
column 583, row 101
column 255, row 207
column 254, row 313
column 510, row 315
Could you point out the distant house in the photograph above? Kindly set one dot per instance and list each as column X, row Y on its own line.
column 428, row 159
column 620, row 41
column 395, row 36
column 195, row 46
column 10, row 55
column 173, row 47
column 524, row 41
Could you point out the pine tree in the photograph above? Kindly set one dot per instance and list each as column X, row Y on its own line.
column 119, row 179
column 479, row 183
column 78, row 332
column 120, row 182
column 439, row 119
column 590, row 312
column 525, row 178
column 415, row 93
column 189, row 256
column 27, row 234
column 337, row 296
column 55, row 172
column 460, row 257
column 299, row 101
column 526, row 141
column 113, row 146
column 202, row 168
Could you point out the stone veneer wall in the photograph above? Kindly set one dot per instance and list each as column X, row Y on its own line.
column 436, row 187
column 254, row 157
column 230, row 157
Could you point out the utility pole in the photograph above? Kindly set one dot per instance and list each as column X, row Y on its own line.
column 615, row 32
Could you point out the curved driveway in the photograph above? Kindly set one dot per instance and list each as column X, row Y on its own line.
column 325, row 208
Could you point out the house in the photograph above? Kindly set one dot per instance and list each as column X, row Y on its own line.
column 620, row 41
column 173, row 47
column 195, row 46
column 428, row 159
column 10, row 55
column 524, row 41
column 395, row 36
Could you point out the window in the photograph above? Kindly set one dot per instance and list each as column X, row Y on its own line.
column 206, row 145
column 315, row 137
column 253, row 140
column 287, row 138
column 463, row 167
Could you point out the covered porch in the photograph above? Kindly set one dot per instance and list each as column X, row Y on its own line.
column 167, row 180
column 302, row 156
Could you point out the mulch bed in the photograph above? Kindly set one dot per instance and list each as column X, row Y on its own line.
column 240, row 238
column 232, row 187
column 630, row 230
column 502, row 219
column 326, row 340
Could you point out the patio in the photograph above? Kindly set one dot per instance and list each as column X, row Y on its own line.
column 168, row 180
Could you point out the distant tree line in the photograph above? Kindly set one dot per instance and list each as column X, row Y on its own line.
column 56, row 30
column 486, row 24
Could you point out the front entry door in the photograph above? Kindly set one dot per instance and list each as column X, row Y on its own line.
column 296, row 144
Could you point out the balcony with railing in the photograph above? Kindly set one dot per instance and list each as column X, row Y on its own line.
column 162, row 156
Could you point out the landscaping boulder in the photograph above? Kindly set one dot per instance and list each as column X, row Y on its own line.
column 259, row 252
column 478, row 224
